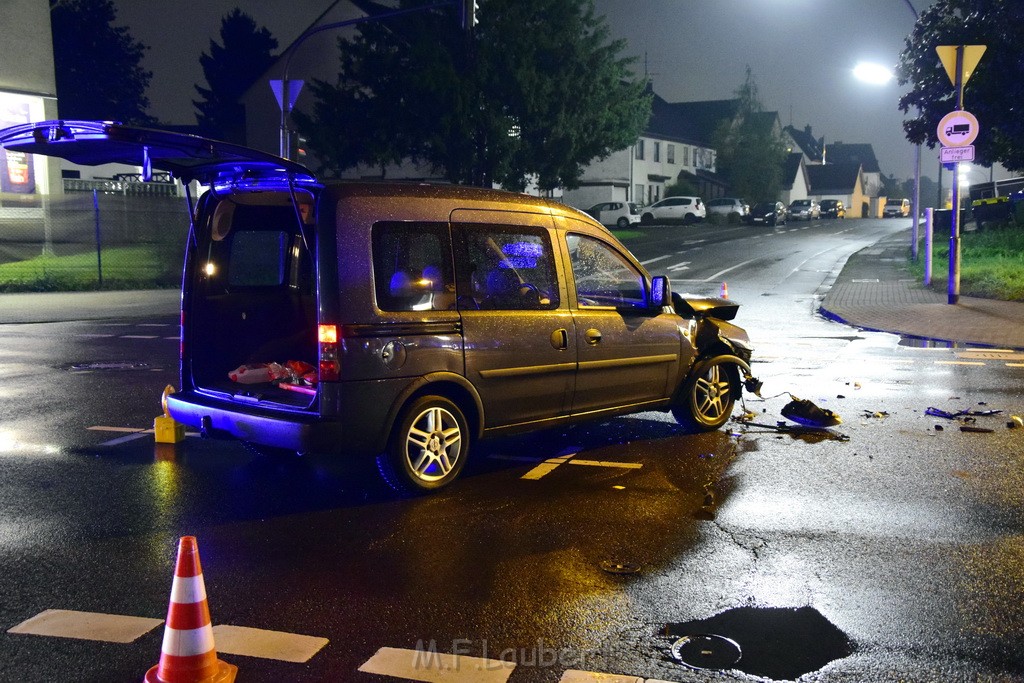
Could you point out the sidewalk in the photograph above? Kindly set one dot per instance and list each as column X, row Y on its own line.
column 46, row 307
column 875, row 291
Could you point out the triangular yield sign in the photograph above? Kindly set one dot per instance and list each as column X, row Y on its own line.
column 972, row 55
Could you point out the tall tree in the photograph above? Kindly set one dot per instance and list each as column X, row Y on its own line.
column 230, row 68
column 993, row 93
column 750, row 154
column 535, row 91
column 98, row 65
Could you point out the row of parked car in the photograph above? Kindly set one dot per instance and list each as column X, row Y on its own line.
column 693, row 209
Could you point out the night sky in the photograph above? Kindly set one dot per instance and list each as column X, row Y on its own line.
column 801, row 53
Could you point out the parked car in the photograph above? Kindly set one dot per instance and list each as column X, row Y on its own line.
column 619, row 214
column 768, row 213
column 729, row 206
column 896, row 207
column 804, row 210
column 405, row 321
column 832, row 208
column 686, row 209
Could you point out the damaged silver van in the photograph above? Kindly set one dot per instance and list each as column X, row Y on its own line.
column 406, row 321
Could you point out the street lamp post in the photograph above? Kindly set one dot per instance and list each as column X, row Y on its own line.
column 917, row 174
column 468, row 16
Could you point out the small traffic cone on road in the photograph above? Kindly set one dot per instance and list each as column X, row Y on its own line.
column 724, row 293
column 188, row 654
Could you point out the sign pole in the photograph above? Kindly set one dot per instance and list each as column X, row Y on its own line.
column 953, row 288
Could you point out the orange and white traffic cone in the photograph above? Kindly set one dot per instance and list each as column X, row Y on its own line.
column 188, row 654
column 724, row 293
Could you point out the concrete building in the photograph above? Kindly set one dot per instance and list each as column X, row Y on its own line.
column 28, row 92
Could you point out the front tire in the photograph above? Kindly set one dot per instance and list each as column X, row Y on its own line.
column 428, row 447
column 708, row 396
column 647, row 218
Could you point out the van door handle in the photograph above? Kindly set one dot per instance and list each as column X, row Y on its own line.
column 560, row 339
column 593, row 336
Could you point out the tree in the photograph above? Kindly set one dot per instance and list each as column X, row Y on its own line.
column 535, row 91
column 993, row 93
column 750, row 154
column 230, row 68
column 98, row 65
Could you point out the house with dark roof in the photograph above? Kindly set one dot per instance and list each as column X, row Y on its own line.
column 676, row 140
column 842, row 181
column 871, row 175
column 804, row 143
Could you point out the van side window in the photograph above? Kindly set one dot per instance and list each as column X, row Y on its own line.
column 603, row 276
column 506, row 268
column 412, row 267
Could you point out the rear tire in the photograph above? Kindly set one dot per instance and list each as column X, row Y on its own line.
column 622, row 223
column 428, row 446
column 708, row 396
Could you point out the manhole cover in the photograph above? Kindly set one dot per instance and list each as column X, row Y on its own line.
column 706, row 651
column 111, row 365
column 614, row 567
column 777, row 642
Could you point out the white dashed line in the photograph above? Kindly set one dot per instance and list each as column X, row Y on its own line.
column 573, row 676
column 655, row 260
column 116, row 628
column 436, row 667
column 258, row 642
column 108, row 628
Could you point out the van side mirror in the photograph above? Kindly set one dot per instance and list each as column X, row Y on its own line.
column 661, row 293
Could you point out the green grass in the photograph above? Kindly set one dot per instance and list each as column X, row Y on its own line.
column 991, row 261
column 123, row 268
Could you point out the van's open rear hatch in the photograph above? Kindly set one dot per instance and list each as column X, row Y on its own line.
column 251, row 313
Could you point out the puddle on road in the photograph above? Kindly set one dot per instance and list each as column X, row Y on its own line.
column 781, row 643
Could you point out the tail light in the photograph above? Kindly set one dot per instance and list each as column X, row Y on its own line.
column 330, row 366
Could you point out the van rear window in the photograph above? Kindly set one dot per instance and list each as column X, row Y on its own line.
column 258, row 258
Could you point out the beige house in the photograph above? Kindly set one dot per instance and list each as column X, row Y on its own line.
column 843, row 182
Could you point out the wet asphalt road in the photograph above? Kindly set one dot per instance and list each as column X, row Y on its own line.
column 905, row 537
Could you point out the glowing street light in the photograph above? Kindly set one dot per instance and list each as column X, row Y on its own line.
column 872, row 73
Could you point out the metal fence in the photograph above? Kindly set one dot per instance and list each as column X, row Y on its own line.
column 98, row 235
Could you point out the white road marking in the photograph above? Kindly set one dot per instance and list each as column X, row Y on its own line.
column 682, row 265
column 957, row 362
column 109, row 628
column 723, row 272
column 550, row 464
column 545, row 468
column 607, row 463
column 436, row 667
column 132, row 433
column 989, row 355
column 573, row 676
column 655, row 260
column 258, row 642
column 139, row 336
